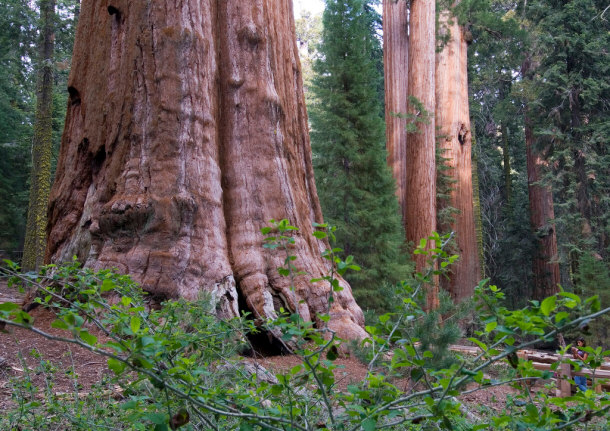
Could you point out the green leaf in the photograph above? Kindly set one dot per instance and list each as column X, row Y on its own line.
column 561, row 316
column 117, row 366
column 107, row 285
column 156, row 418
column 277, row 390
column 479, row 343
column 369, row 424
column 88, row 338
column 319, row 234
column 135, row 324
column 8, row 306
column 548, row 305
column 59, row 324
column 491, row 326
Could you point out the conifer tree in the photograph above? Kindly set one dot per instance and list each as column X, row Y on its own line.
column 356, row 188
column 17, row 27
column 571, row 100
column 40, row 182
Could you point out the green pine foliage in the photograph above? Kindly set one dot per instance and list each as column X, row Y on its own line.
column 355, row 185
column 17, row 29
column 593, row 278
column 571, row 92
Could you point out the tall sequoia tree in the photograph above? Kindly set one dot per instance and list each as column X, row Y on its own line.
column 356, row 187
column 42, row 144
column 420, row 189
column 186, row 132
column 395, row 60
column 452, row 119
column 542, row 216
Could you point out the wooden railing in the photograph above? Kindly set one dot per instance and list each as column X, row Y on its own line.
column 600, row 377
column 564, row 372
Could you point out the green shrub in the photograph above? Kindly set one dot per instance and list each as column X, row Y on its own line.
column 178, row 366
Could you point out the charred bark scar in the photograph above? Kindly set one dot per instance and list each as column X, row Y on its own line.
column 98, row 160
column 83, row 146
column 112, row 10
column 74, row 96
column 462, row 134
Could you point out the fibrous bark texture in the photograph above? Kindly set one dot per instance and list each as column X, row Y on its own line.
column 420, row 192
column 542, row 214
column 42, row 143
column 395, row 60
column 452, row 119
column 186, row 132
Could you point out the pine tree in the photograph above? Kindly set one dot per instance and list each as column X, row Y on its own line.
column 571, row 115
column 17, row 30
column 348, row 139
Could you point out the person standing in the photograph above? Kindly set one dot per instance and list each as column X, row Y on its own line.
column 578, row 353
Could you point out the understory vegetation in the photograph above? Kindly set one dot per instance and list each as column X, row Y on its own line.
column 178, row 366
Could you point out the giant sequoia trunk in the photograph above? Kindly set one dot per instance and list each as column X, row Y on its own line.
column 42, row 144
column 452, row 119
column 420, row 190
column 186, row 132
column 395, row 60
column 542, row 214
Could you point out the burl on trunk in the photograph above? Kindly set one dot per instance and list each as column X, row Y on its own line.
column 186, row 132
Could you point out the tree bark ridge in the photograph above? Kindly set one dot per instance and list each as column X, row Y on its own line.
column 186, row 132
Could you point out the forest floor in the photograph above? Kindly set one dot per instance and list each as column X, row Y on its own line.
column 25, row 355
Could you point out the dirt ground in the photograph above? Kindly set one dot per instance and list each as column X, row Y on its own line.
column 22, row 352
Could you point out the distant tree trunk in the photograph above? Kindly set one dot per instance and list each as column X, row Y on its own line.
column 186, row 132
column 508, row 182
column 395, row 60
column 42, row 144
column 452, row 119
column 542, row 215
column 420, row 190
column 478, row 219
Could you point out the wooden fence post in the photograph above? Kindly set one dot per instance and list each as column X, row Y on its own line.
column 564, row 387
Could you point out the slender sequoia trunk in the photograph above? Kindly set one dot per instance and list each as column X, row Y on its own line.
column 395, row 58
column 452, row 119
column 186, row 132
column 42, row 144
column 420, row 190
column 545, row 264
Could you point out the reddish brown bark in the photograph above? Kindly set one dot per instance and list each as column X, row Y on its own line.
column 420, row 191
column 395, row 60
column 542, row 213
column 186, row 132
column 453, row 123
